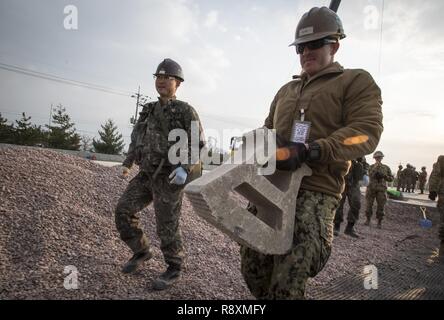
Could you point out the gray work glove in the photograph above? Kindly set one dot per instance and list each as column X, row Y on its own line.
column 178, row 176
column 125, row 172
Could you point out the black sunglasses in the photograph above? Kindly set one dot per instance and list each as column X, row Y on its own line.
column 313, row 45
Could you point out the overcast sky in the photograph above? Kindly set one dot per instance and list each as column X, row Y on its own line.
column 235, row 57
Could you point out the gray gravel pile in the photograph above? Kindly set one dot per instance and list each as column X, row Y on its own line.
column 57, row 211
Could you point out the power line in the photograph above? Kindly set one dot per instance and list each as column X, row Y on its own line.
column 91, row 86
column 219, row 118
column 55, row 78
column 380, row 39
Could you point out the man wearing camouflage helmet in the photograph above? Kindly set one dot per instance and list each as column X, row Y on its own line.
column 422, row 179
column 352, row 192
column 399, row 178
column 379, row 175
column 158, row 181
column 326, row 116
column 407, row 176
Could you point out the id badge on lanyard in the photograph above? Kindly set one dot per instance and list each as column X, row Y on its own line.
column 301, row 129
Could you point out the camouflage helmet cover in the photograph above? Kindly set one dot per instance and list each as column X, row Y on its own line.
column 378, row 154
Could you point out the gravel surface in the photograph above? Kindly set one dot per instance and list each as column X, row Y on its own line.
column 58, row 210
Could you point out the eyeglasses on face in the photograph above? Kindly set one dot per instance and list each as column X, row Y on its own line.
column 313, row 45
column 163, row 77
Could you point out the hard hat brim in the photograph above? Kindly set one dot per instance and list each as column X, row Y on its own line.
column 172, row 75
column 316, row 36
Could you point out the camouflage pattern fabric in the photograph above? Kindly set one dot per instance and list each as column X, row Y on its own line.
column 379, row 183
column 285, row 276
column 149, row 139
column 403, row 179
column 441, row 218
column 399, row 179
column 381, row 200
column 149, row 149
column 379, row 175
column 167, row 198
column 422, row 180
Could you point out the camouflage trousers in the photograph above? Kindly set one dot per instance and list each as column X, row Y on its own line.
column 381, row 199
column 421, row 186
column 140, row 192
column 353, row 193
column 441, row 216
column 285, row 276
column 400, row 185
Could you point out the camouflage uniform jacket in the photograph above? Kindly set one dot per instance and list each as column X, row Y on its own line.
column 423, row 176
column 399, row 174
column 149, row 139
column 379, row 175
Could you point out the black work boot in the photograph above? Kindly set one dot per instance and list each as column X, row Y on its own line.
column 136, row 261
column 379, row 224
column 336, row 229
column 167, row 279
column 367, row 223
column 350, row 231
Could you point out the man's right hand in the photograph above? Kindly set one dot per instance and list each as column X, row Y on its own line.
column 290, row 155
column 125, row 172
column 379, row 176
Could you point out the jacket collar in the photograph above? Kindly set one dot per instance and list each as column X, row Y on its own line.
column 168, row 102
column 335, row 67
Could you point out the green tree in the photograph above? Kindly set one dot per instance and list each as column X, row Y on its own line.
column 62, row 134
column 6, row 131
column 26, row 133
column 86, row 142
column 111, row 141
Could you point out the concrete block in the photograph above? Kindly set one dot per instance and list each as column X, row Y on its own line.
column 271, row 230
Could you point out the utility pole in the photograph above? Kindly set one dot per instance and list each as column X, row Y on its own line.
column 141, row 100
column 50, row 116
column 137, row 105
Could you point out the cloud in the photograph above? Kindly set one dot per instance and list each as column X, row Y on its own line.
column 206, row 67
column 211, row 19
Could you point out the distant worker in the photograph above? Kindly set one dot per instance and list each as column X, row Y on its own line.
column 436, row 189
column 415, row 177
column 404, row 175
column 407, row 177
column 422, row 179
column 158, row 181
column 353, row 193
column 399, row 178
column 379, row 174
